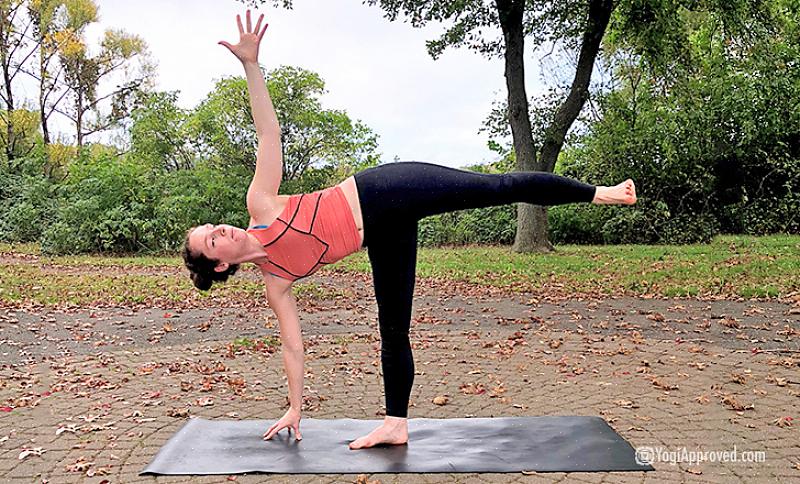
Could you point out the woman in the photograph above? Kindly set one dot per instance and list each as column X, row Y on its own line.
column 292, row 236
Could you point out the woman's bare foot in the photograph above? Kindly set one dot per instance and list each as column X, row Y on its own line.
column 394, row 431
column 624, row 193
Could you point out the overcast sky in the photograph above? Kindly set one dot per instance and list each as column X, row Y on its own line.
column 376, row 70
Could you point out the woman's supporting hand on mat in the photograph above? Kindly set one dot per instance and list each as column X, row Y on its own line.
column 290, row 420
column 247, row 48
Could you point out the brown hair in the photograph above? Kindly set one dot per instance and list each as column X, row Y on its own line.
column 201, row 268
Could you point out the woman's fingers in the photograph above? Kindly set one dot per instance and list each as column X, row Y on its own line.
column 262, row 31
column 249, row 23
column 239, row 23
column 272, row 432
column 268, row 435
column 258, row 24
column 297, row 431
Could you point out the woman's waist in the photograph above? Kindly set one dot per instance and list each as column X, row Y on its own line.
column 350, row 191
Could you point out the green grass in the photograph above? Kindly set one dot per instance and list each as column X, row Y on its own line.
column 248, row 343
column 743, row 266
column 731, row 266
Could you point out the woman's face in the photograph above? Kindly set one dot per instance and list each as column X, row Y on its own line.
column 222, row 242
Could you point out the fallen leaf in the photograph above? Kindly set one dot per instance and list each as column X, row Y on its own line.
column 738, row 378
column 80, row 466
column 440, row 400
column 178, row 412
column 662, row 385
column 783, row 422
column 472, row 389
column 362, row 479
column 100, row 471
column 31, row 451
column 730, row 323
column 72, row 428
column 734, row 404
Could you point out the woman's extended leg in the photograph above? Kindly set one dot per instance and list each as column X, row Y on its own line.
column 414, row 190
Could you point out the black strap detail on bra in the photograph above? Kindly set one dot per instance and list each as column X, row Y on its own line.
column 310, row 228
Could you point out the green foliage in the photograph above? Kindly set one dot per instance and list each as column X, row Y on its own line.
column 311, row 137
column 24, row 134
column 183, row 168
column 577, row 224
column 712, row 150
column 106, row 205
column 223, row 125
column 160, row 135
column 111, row 204
column 26, row 199
column 191, row 197
column 491, row 225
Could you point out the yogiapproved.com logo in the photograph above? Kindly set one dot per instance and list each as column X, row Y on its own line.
column 649, row 455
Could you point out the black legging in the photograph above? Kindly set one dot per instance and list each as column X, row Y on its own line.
column 394, row 197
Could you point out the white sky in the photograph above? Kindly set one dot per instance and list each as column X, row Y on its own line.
column 376, row 70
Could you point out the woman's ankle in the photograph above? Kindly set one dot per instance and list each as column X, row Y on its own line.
column 395, row 421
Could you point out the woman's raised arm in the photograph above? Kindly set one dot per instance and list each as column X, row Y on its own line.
column 269, row 161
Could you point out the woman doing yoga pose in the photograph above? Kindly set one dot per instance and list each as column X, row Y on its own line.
column 292, row 236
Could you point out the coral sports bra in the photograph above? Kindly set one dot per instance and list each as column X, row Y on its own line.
column 314, row 229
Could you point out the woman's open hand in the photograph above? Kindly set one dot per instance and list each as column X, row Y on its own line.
column 290, row 420
column 247, row 48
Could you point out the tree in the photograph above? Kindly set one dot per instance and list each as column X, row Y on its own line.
column 652, row 28
column 24, row 125
column 12, row 40
column 84, row 72
column 546, row 22
column 311, row 136
column 43, row 14
column 159, row 132
column 715, row 137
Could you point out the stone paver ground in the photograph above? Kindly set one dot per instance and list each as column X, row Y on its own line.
column 98, row 392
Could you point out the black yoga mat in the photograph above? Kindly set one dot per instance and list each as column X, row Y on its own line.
column 509, row 444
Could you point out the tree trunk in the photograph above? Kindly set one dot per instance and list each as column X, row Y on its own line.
column 42, row 97
column 6, row 30
column 10, row 141
column 599, row 15
column 79, row 119
column 531, row 220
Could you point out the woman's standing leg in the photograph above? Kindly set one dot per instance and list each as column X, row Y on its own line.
column 393, row 255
